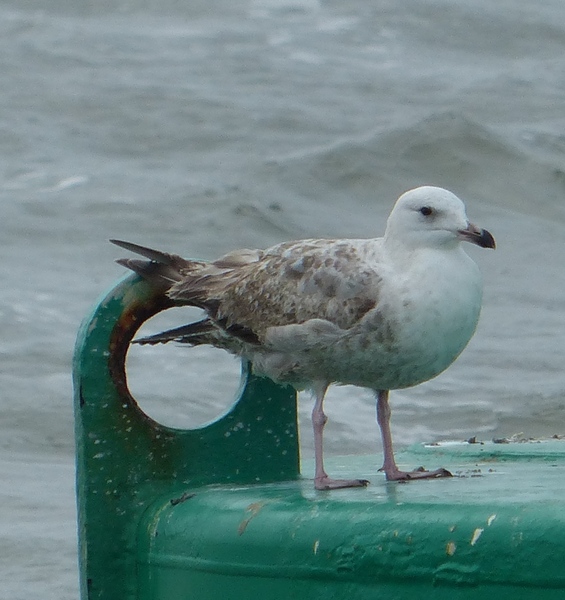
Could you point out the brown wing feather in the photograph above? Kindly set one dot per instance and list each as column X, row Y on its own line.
column 290, row 283
column 246, row 292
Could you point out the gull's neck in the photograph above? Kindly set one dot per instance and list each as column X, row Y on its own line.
column 406, row 252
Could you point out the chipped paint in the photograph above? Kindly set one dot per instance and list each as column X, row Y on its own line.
column 254, row 509
column 476, row 535
column 183, row 498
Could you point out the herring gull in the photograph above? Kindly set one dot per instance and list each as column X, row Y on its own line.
column 385, row 313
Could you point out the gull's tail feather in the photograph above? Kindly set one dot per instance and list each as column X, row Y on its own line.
column 162, row 270
column 153, row 255
column 194, row 283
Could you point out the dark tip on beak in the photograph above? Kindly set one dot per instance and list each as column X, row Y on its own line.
column 481, row 237
column 486, row 240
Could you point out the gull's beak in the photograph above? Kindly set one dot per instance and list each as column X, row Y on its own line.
column 481, row 237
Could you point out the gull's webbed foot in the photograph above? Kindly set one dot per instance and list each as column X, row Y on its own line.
column 327, row 483
column 421, row 473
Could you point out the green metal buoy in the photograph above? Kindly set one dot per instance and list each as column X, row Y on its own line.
column 221, row 513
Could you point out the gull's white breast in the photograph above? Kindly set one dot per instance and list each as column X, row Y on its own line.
column 426, row 315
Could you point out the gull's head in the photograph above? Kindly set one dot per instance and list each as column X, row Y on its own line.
column 432, row 217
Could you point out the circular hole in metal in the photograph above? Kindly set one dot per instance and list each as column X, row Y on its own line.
column 178, row 385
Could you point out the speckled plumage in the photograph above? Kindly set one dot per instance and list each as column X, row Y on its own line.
column 383, row 313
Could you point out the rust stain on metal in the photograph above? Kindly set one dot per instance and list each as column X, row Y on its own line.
column 131, row 319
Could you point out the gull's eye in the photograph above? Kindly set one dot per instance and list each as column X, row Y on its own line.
column 426, row 211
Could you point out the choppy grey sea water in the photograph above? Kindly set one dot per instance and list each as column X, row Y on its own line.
column 201, row 126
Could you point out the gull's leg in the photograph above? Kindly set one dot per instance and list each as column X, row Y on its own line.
column 321, row 479
column 392, row 472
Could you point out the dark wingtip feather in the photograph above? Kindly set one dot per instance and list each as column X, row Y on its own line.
column 193, row 333
column 152, row 340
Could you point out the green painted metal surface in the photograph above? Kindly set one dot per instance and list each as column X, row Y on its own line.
column 167, row 514
column 125, row 459
column 497, row 530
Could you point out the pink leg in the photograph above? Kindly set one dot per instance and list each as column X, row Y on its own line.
column 321, row 479
column 392, row 472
